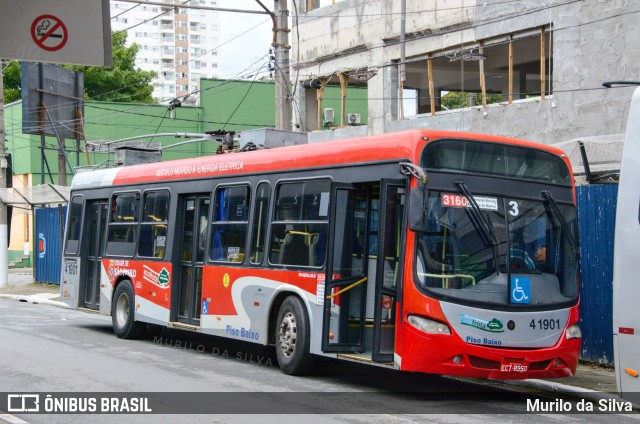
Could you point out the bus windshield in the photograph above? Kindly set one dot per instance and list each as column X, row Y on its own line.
column 456, row 258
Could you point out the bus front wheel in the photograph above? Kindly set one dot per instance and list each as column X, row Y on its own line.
column 292, row 337
column 123, row 313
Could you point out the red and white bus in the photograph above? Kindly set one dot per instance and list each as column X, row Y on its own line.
column 426, row 251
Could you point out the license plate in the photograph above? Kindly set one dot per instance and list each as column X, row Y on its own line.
column 514, row 366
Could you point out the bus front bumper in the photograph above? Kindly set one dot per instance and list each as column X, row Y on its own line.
column 449, row 355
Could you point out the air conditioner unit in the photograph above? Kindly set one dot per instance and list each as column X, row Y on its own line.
column 353, row 119
column 328, row 116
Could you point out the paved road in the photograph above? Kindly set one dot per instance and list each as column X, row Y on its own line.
column 49, row 349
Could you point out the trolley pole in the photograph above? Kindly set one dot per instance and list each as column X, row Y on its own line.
column 4, row 248
column 281, row 49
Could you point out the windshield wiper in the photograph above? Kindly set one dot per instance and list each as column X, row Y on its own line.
column 563, row 223
column 480, row 222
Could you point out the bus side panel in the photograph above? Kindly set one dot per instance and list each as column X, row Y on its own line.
column 310, row 288
column 627, row 348
column 626, row 287
column 236, row 301
column 106, row 291
column 151, row 284
column 70, row 281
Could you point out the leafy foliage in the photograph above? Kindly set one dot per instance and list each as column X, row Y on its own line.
column 122, row 82
column 457, row 99
column 11, row 82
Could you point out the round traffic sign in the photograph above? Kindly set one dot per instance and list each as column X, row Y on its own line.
column 49, row 33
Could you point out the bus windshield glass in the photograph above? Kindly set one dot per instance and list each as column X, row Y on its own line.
column 455, row 259
column 502, row 160
column 478, row 247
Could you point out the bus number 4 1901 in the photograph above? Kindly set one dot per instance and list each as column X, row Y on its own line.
column 545, row 324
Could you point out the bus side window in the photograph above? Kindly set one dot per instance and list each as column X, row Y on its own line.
column 230, row 223
column 260, row 217
column 75, row 223
column 299, row 229
column 123, row 224
column 153, row 226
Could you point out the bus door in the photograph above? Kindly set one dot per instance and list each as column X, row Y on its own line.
column 388, row 273
column 190, row 251
column 90, row 285
column 346, row 277
column 363, row 269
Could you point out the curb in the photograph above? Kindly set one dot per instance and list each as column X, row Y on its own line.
column 35, row 299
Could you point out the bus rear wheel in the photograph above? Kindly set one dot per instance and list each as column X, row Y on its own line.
column 123, row 313
column 292, row 337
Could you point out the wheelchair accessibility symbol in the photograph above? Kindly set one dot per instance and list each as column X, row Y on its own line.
column 520, row 290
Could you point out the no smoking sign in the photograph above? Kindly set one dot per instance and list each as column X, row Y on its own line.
column 49, row 33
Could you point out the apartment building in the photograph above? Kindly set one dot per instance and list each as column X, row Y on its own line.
column 178, row 43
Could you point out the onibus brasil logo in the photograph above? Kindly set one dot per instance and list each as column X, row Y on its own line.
column 493, row 326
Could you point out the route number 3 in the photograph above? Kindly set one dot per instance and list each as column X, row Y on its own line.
column 514, row 211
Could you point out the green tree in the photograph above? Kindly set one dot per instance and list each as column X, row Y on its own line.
column 457, row 99
column 11, row 82
column 122, row 82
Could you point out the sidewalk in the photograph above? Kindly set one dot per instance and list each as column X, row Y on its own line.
column 590, row 382
column 21, row 287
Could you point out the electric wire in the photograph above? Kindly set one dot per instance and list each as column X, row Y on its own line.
column 555, row 30
column 125, row 11
column 241, row 101
column 172, row 8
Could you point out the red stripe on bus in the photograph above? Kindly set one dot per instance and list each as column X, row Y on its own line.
column 385, row 147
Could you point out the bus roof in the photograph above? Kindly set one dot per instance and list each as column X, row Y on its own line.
column 383, row 147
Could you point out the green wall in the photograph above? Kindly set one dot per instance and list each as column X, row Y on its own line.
column 104, row 121
column 224, row 104
column 255, row 103
column 237, row 104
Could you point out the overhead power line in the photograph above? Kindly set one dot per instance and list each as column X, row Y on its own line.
column 198, row 7
column 171, row 9
column 125, row 11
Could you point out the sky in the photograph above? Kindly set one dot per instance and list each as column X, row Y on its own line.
column 249, row 38
column 244, row 50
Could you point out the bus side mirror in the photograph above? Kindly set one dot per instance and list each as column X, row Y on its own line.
column 418, row 210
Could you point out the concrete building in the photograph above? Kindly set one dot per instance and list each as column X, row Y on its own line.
column 177, row 43
column 540, row 63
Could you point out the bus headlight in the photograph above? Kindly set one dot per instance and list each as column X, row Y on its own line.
column 573, row 332
column 428, row 326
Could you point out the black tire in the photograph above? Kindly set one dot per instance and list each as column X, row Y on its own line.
column 292, row 338
column 123, row 313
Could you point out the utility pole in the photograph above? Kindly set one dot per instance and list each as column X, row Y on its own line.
column 4, row 248
column 62, row 163
column 403, row 66
column 281, row 49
